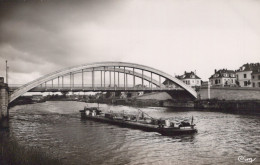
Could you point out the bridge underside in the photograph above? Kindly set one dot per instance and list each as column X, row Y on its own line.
column 180, row 95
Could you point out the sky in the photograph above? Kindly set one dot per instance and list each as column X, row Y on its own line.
column 39, row 37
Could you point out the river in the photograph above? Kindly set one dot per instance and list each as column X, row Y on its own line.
column 56, row 128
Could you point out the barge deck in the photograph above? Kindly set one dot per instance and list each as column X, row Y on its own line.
column 164, row 130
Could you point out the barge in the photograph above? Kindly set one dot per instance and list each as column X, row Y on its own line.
column 139, row 121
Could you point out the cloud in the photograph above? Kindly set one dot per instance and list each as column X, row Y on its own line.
column 32, row 33
column 38, row 37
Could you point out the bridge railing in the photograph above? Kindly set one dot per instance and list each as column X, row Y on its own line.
column 49, row 86
column 78, row 89
column 97, row 87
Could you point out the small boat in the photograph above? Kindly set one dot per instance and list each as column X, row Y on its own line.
column 139, row 121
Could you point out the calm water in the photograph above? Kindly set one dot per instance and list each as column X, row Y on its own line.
column 55, row 127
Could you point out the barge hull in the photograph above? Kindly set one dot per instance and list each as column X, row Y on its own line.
column 144, row 127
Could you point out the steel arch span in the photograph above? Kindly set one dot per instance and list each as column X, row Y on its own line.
column 106, row 66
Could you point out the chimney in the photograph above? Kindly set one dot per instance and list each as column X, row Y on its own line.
column 215, row 70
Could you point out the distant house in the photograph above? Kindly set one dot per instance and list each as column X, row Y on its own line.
column 99, row 95
column 204, row 83
column 190, row 78
column 223, row 77
column 244, row 74
column 123, row 95
column 138, row 86
column 170, row 84
column 37, row 97
column 256, row 78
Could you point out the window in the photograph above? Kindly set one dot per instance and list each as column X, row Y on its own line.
column 253, row 84
column 226, row 83
column 245, row 83
column 253, row 77
column 258, row 84
column 258, row 77
column 188, row 82
column 216, row 81
column 232, row 81
column 244, row 75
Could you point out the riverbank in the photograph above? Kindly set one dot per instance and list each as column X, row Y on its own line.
column 12, row 153
column 230, row 106
column 233, row 106
column 237, row 106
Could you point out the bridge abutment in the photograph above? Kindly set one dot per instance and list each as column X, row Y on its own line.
column 4, row 100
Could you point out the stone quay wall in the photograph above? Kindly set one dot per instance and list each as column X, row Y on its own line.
column 229, row 93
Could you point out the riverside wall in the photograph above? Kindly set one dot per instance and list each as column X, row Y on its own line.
column 229, row 93
column 229, row 99
column 163, row 99
column 238, row 106
column 154, row 96
column 226, row 99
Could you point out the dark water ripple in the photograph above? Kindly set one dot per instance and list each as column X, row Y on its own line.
column 56, row 128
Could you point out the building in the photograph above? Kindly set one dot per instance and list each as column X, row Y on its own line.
column 244, row 74
column 204, row 83
column 190, row 78
column 170, row 84
column 256, row 78
column 37, row 98
column 223, row 77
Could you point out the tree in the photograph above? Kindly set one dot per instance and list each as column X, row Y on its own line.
column 64, row 93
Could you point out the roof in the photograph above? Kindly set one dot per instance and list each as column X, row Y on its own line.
column 223, row 73
column 256, row 71
column 249, row 67
column 188, row 75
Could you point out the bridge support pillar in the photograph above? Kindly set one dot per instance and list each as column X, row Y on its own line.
column 4, row 100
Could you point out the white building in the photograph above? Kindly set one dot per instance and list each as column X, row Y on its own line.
column 244, row 74
column 190, row 78
column 256, row 77
column 223, row 77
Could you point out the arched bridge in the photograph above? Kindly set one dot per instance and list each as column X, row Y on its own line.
column 133, row 77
